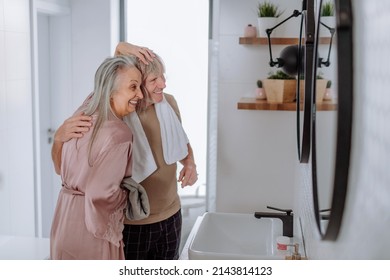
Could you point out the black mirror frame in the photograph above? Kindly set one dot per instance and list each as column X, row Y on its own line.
column 309, row 65
column 344, row 20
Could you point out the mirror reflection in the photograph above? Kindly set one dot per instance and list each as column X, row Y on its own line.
column 325, row 120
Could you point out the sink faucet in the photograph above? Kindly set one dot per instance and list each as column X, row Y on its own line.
column 286, row 217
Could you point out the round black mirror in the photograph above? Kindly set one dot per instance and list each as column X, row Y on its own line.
column 331, row 138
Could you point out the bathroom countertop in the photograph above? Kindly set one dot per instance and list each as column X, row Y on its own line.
column 24, row 248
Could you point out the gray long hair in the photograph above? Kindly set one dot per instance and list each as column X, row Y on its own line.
column 105, row 84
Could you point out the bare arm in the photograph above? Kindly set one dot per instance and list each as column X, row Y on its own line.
column 188, row 175
column 73, row 127
column 144, row 54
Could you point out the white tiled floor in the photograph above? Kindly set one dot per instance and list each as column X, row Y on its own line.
column 24, row 248
column 38, row 248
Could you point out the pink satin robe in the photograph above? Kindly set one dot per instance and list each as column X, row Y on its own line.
column 88, row 220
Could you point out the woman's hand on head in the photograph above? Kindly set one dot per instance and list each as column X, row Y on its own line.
column 142, row 53
column 73, row 127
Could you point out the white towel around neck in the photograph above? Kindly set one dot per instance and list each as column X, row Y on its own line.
column 173, row 137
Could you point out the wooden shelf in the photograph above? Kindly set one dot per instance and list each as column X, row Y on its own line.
column 251, row 103
column 275, row 41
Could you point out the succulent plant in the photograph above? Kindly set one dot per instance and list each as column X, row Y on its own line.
column 327, row 9
column 280, row 75
column 268, row 9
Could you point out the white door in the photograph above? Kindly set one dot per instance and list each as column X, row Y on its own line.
column 52, row 107
column 45, row 121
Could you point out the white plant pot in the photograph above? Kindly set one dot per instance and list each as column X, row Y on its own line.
column 290, row 28
column 265, row 23
column 329, row 21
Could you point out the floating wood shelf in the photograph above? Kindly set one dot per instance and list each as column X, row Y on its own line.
column 249, row 103
column 275, row 41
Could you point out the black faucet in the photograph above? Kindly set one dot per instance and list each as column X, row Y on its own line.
column 286, row 217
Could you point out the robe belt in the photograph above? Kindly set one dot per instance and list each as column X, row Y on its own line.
column 71, row 191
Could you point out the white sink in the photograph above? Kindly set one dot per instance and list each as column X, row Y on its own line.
column 235, row 236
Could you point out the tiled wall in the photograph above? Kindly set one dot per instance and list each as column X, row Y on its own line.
column 256, row 154
column 16, row 139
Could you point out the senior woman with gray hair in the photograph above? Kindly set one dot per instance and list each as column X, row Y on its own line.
column 88, row 219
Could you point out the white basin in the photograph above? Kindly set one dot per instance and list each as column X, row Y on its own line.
column 235, row 236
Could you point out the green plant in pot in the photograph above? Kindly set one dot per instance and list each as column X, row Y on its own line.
column 280, row 75
column 268, row 9
column 268, row 14
column 321, row 85
column 327, row 9
column 280, row 87
column 327, row 18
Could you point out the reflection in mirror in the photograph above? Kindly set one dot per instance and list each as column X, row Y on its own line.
column 326, row 121
column 305, row 82
column 300, row 93
column 331, row 137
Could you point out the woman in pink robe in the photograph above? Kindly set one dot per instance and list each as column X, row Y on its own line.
column 88, row 220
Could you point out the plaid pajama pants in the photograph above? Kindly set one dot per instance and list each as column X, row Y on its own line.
column 157, row 241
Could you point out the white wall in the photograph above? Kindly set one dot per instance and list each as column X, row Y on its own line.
column 16, row 135
column 256, row 158
column 92, row 41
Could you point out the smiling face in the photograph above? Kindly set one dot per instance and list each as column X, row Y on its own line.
column 155, row 84
column 127, row 91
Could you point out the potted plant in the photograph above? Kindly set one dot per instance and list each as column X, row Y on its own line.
column 268, row 14
column 327, row 18
column 280, row 87
column 327, row 9
column 321, row 85
column 260, row 94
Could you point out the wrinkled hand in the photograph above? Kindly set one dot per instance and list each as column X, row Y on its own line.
column 142, row 53
column 74, row 127
column 188, row 175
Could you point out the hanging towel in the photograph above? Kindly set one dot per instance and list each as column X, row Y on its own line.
column 143, row 160
column 138, row 202
column 173, row 137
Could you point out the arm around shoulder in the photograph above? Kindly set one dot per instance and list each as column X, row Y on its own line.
column 73, row 127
